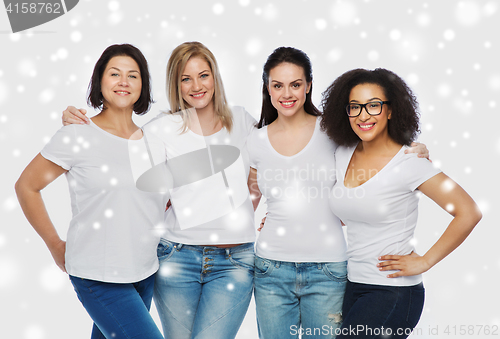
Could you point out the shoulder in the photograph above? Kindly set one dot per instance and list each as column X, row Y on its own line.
column 165, row 121
column 242, row 116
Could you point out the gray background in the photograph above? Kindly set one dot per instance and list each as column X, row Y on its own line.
column 448, row 51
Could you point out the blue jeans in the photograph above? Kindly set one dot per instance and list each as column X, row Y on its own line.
column 118, row 310
column 375, row 311
column 203, row 291
column 293, row 298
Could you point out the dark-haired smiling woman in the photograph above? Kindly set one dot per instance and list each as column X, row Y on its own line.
column 110, row 253
column 373, row 116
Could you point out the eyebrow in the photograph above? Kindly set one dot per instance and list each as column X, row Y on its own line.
column 279, row 82
column 185, row 75
column 120, row 69
column 372, row 99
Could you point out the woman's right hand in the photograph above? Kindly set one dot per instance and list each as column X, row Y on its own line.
column 58, row 251
column 72, row 115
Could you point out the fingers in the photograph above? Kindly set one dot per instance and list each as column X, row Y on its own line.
column 72, row 115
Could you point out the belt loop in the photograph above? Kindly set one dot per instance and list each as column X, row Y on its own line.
column 179, row 246
column 277, row 264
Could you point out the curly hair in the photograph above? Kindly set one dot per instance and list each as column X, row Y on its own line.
column 403, row 126
column 278, row 56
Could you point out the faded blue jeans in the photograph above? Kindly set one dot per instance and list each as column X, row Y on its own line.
column 119, row 311
column 203, row 291
column 293, row 298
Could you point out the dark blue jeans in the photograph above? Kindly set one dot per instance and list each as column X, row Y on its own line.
column 376, row 311
column 118, row 310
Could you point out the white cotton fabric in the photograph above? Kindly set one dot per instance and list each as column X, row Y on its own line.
column 216, row 210
column 380, row 215
column 112, row 235
column 299, row 227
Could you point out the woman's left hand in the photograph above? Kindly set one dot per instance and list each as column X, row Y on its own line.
column 420, row 149
column 411, row 264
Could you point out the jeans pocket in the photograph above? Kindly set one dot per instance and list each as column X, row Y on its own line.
column 243, row 259
column 336, row 271
column 165, row 250
column 263, row 267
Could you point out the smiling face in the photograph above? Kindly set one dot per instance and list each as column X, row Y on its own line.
column 288, row 88
column 121, row 83
column 197, row 84
column 368, row 127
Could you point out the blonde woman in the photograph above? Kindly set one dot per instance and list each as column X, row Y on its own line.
column 205, row 281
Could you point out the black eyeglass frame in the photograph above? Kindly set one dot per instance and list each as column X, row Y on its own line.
column 364, row 106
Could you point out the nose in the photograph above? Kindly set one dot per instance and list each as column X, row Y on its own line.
column 287, row 93
column 363, row 115
column 196, row 85
column 124, row 81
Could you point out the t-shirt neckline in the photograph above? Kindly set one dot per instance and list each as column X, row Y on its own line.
column 383, row 169
column 93, row 124
column 313, row 136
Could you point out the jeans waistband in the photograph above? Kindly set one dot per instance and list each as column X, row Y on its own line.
column 278, row 263
column 215, row 250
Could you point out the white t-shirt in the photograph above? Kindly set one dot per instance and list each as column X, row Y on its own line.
column 300, row 227
column 210, row 201
column 380, row 215
column 111, row 237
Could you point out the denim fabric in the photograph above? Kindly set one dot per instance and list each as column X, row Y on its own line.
column 375, row 311
column 118, row 310
column 293, row 298
column 203, row 291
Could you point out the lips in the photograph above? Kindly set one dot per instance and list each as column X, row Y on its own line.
column 198, row 95
column 366, row 127
column 288, row 104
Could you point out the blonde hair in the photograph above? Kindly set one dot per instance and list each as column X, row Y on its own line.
column 176, row 63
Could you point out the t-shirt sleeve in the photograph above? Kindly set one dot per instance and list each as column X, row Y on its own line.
column 418, row 171
column 250, row 122
column 250, row 146
column 62, row 147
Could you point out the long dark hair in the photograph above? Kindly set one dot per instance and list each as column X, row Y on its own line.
column 278, row 56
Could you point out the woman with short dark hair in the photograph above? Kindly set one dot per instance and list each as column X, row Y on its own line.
column 110, row 253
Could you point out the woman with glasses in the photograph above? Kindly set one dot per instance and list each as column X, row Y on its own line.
column 373, row 116
column 300, row 264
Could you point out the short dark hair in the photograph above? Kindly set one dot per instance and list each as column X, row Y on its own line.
column 403, row 126
column 95, row 98
column 278, row 56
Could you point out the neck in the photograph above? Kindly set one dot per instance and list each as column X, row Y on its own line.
column 207, row 118
column 119, row 120
column 294, row 122
column 379, row 146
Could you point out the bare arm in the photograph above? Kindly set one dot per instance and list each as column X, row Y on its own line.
column 36, row 176
column 452, row 198
column 253, row 187
column 72, row 115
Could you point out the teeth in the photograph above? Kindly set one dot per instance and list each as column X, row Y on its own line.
column 198, row 95
column 121, row 92
column 366, row 126
column 287, row 103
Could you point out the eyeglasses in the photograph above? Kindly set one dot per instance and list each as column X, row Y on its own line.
column 372, row 108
